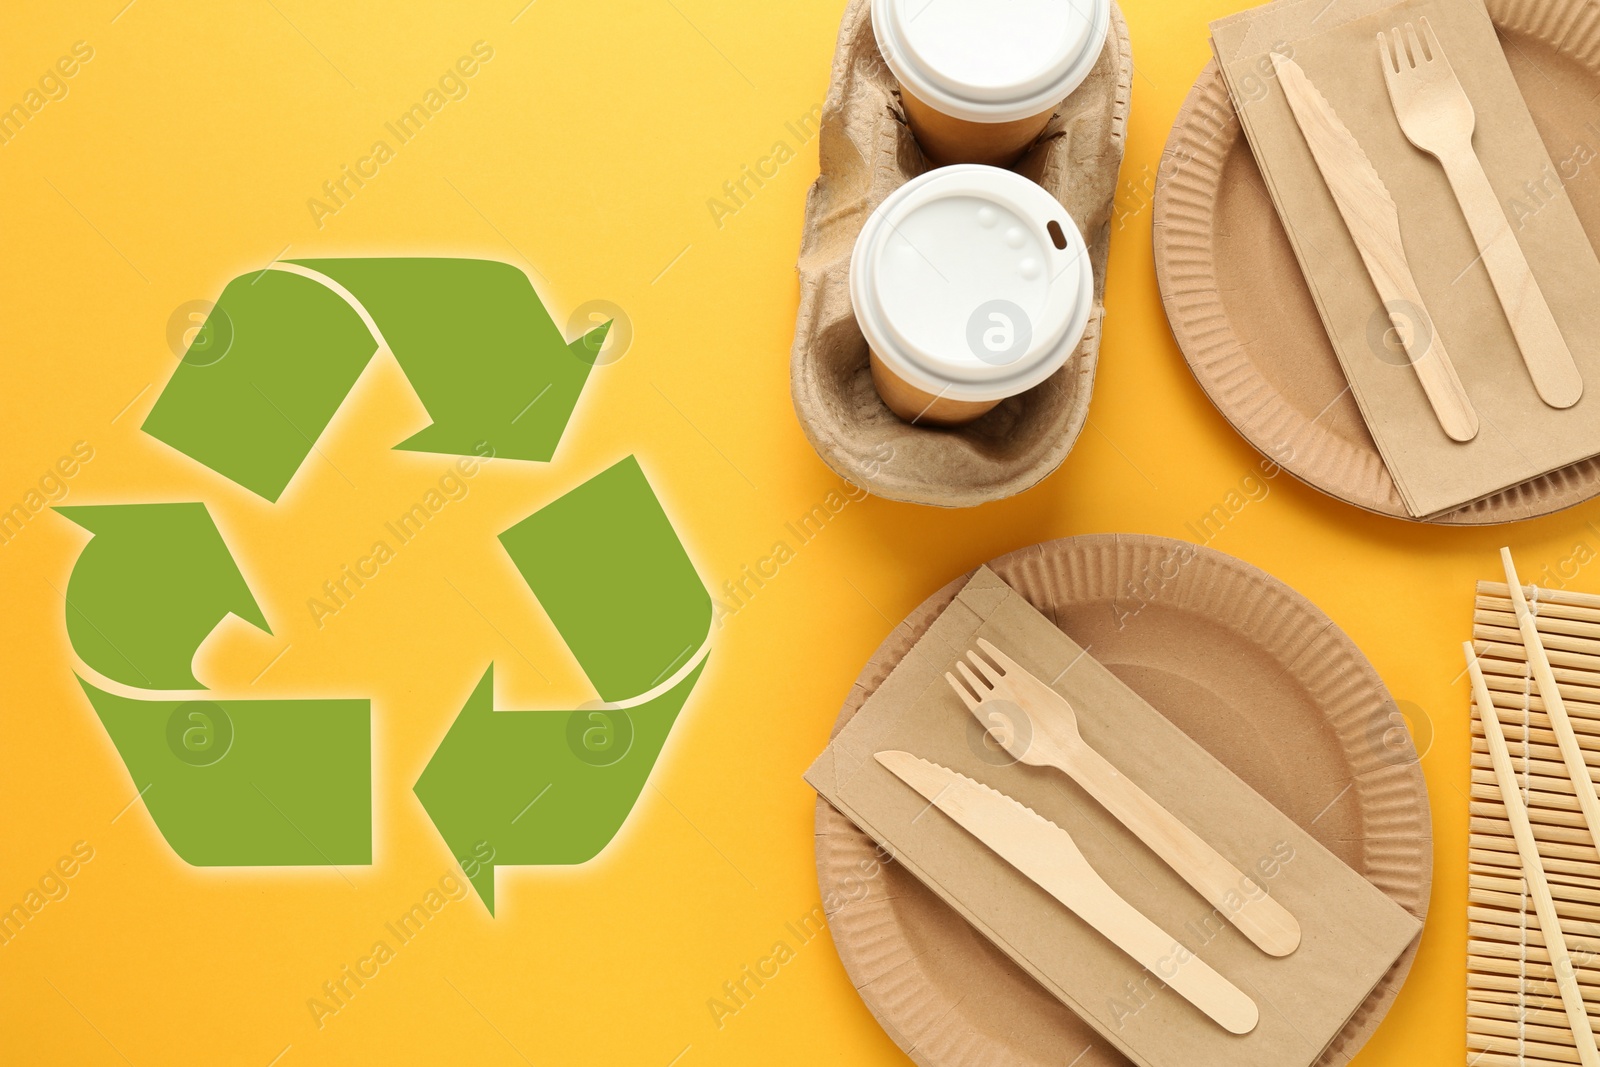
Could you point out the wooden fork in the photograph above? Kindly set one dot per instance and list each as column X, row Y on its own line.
column 1053, row 740
column 1438, row 118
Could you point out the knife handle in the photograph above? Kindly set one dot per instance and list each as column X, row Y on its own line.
column 1397, row 288
column 1237, row 897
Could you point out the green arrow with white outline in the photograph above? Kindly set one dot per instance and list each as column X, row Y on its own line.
column 280, row 351
column 541, row 787
column 152, row 583
column 278, row 354
column 554, row 787
column 289, row 781
column 227, row 782
column 259, row 783
column 479, row 348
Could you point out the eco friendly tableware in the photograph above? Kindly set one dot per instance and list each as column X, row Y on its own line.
column 1437, row 116
column 1247, row 318
column 1227, row 661
column 1370, row 214
column 971, row 284
column 1049, row 738
column 1049, row 857
column 1271, row 309
column 1513, row 985
column 1533, row 873
column 866, row 153
column 980, row 80
column 1554, row 704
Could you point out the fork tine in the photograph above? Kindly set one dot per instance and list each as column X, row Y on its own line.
column 961, row 691
column 978, row 686
column 1418, row 57
column 989, row 671
column 1386, row 53
column 1005, row 662
column 1434, row 51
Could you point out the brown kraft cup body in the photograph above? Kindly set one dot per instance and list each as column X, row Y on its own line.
column 923, row 408
column 945, row 139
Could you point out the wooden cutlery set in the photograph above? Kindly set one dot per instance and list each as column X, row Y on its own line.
column 999, row 691
column 1437, row 117
column 1396, row 146
column 1138, row 880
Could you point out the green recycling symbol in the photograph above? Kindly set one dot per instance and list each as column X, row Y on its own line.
column 288, row 782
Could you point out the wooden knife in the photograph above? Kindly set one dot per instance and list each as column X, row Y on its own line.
column 1370, row 215
column 1047, row 855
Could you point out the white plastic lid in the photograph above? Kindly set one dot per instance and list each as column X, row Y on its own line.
column 987, row 60
column 971, row 283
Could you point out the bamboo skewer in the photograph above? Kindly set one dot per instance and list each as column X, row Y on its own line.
column 1509, row 661
column 1532, row 868
column 1550, row 611
column 1564, row 597
column 1579, row 645
column 1480, row 857
column 1482, row 882
column 1584, row 704
column 1571, row 752
column 1576, row 645
column 1543, row 745
column 1583, row 717
column 1530, row 643
column 1552, row 618
column 1492, row 989
column 1503, row 614
column 1565, row 803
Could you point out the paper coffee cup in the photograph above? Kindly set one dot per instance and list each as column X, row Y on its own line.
column 971, row 284
column 980, row 78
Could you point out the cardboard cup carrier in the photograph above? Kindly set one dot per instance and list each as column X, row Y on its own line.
column 866, row 153
column 980, row 79
column 971, row 284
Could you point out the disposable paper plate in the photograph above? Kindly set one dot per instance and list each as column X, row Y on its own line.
column 1244, row 318
column 1188, row 629
column 867, row 152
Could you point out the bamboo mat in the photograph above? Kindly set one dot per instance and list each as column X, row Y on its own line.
column 1514, row 1010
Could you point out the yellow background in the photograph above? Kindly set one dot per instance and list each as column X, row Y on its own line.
column 586, row 151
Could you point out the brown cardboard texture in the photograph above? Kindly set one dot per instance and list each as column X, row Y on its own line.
column 1352, row 932
column 867, row 152
column 1520, row 437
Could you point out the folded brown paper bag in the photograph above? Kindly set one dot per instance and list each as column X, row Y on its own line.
column 1336, row 45
column 1351, row 932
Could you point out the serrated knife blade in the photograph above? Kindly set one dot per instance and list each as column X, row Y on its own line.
column 1048, row 856
column 1363, row 198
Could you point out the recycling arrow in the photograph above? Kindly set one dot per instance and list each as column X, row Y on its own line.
column 249, row 782
column 479, row 348
column 152, row 583
column 280, row 351
column 536, row 787
column 289, row 782
column 609, row 570
column 549, row 787
column 259, row 782
column 276, row 357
